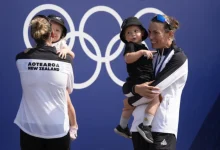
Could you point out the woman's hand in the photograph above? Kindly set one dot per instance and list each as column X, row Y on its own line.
column 147, row 91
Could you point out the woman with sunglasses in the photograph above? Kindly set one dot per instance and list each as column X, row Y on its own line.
column 46, row 81
column 170, row 70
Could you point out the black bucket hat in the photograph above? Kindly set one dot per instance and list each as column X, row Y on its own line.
column 60, row 21
column 131, row 21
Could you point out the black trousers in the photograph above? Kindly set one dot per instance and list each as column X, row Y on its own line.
column 28, row 142
column 162, row 141
column 138, row 142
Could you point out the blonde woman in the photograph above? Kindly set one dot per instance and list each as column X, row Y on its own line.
column 46, row 81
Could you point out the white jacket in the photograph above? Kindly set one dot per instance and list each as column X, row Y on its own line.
column 171, row 70
column 44, row 78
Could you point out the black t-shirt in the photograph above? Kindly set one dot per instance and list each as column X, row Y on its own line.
column 141, row 70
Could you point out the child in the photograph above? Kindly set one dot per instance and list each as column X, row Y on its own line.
column 60, row 31
column 140, row 70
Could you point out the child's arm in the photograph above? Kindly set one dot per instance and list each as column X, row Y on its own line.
column 71, row 53
column 65, row 50
column 131, row 55
column 134, row 56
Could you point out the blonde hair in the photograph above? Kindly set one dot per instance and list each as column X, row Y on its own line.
column 40, row 29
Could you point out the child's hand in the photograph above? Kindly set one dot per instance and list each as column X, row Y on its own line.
column 154, row 52
column 147, row 54
column 62, row 53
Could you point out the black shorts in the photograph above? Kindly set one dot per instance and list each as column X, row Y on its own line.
column 138, row 142
column 133, row 100
column 28, row 142
column 162, row 141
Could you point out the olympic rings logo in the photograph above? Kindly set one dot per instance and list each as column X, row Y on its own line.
column 82, row 36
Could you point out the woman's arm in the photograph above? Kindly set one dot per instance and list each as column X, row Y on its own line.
column 175, row 69
column 71, row 112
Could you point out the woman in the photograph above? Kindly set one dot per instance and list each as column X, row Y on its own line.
column 47, row 81
column 171, row 70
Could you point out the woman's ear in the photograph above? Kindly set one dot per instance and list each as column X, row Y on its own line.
column 171, row 34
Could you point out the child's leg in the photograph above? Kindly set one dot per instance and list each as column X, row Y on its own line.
column 72, row 114
column 126, row 114
column 150, row 111
column 128, row 109
column 144, row 128
column 72, row 118
column 122, row 129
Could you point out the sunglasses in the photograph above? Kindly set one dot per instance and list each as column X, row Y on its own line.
column 163, row 19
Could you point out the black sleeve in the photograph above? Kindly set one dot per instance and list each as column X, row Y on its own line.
column 43, row 55
column 19, row 55
column 129, row 47
column 68, row 59
column 174, row 69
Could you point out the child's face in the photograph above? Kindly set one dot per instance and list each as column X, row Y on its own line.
column 57, row 30
column 133, row 34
